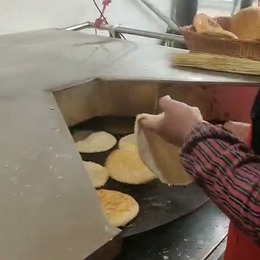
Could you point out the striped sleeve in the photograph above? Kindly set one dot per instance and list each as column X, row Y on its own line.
column 228, row 171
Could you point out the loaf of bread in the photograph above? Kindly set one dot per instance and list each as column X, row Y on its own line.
column 246, row 24
column 207, row 25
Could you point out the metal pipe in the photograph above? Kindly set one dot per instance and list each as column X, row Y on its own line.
column 148, row 34
column 246, row 3
column 169, row 30
column 241, row 4
column 162, row 16
column 185, row 12
column 78, row 27
column 173, row 10
column 125, row 30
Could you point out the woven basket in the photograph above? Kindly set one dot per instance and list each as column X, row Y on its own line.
column 223, row 46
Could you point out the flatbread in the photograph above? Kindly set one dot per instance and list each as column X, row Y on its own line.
column 127, row 142
column 81, row 135
column 126, row 166
column 119, row 208
column 161, row 158
column 97, row 173
column 96, row 142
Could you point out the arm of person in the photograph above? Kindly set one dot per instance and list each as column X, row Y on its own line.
column 228, row 171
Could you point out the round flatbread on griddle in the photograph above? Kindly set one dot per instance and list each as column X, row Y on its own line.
column 126, row 166
column 127, row 142
column 97, row 173
column 119, row 208
column 96, row 142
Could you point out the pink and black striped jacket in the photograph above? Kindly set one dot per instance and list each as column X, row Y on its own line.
column 228, row 171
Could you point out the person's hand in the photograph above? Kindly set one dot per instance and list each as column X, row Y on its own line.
column 175, row 123
column 240, row 130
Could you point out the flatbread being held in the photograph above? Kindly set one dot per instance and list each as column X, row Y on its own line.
column 97, row 173
column 96, row 142
column 127, row 142
column 126, row 166
column 119, row 208
column 161, row 158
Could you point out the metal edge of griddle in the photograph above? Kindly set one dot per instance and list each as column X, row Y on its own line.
column 108, row 251
column 195, row 236
column 218, row 252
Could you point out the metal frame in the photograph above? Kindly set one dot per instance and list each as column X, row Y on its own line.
column 119, row 29
column 125, row 30
column 171, row 37
column 184, row 18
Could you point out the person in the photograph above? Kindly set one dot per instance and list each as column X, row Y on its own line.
column 223, row 165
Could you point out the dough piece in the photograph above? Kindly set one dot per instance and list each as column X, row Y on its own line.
column 206, row 25
column 97, row 173
column 119, row 208
column 96, row 142
column 127, row 142
column 160, row 157
column 81, row 135
column 126, row 166
column 246, row 23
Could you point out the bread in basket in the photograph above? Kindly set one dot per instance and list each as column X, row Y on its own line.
column 245, row 24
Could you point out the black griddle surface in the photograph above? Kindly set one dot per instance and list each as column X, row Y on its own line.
column 159, row 204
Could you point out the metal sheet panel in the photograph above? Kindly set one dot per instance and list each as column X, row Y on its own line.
column 49, row 209
column 48, row 205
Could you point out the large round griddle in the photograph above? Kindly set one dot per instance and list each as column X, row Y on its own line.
column 159, row 204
